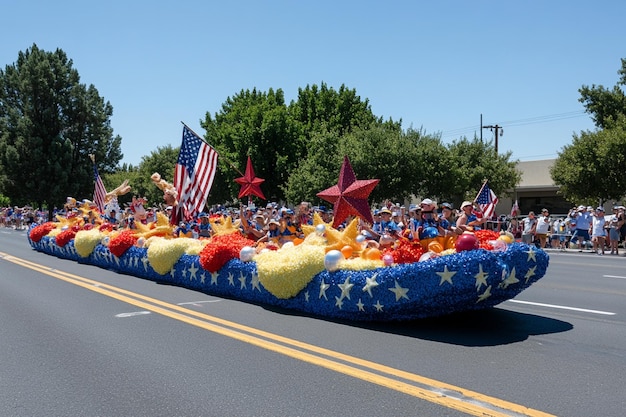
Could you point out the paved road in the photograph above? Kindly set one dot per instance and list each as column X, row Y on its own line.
column 77, row 340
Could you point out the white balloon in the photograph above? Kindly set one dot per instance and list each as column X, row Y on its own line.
column 320, row 229
column 246, row 253
column 140, row 242
column 332, row 259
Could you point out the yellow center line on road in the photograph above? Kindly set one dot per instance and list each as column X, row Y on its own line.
column 447, row 395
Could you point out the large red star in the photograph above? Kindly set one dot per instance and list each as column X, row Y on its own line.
column 250, row 185
column 349, row 196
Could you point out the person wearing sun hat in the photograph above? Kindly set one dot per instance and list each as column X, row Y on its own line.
column 386, row 226
column 468, row 221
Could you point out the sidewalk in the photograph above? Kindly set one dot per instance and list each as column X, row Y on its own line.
column 607, row 252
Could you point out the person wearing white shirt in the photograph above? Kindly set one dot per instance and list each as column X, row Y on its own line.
column 543, row 227
column 598, row 233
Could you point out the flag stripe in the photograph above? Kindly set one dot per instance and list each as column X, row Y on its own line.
column 99, row 191
column 194, row 173
column 487, row 201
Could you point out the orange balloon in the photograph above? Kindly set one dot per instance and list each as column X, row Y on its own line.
column 347, row 251
column 435, row 246
column 374, row 254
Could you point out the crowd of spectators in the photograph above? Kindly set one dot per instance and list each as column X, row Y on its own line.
column 583, row 228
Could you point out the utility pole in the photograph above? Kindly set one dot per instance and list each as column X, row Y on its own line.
column 499, row 130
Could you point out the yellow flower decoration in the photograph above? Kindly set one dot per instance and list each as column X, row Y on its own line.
column 285, row 272
column 360, row 264
column 337, row 239
column 86, row 240
column 164, row 253
column 317, row 220
column 225, row 226
column 161, row 227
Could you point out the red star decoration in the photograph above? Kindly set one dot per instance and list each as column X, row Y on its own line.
column 250, row 185
column 349, row 196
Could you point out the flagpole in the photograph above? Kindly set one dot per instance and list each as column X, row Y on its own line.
column 219, row 156
column 481, row 190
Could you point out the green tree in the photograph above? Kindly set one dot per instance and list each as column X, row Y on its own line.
column 49, row 124
column 475, row 161
column 605, row 105
column 591, row 169
column 320, row 108
column 161, row 161
column 258, row 125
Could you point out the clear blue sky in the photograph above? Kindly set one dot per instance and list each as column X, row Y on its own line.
column 435, row 65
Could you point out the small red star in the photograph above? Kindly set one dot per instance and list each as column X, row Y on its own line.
column 250, row 185
column 349, row 196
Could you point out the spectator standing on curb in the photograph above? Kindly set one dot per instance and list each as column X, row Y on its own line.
column 543, row 227
column 616, row 223
column 583, row 224
column 529, row 225
column 598, row 232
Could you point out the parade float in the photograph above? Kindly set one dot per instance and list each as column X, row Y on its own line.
column 334, row 272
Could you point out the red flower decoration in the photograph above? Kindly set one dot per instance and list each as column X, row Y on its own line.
column 221, row 249
column 106, row 227
column 65, row 236
column 484, row 237
column 38, row 232
column 122, row 242
column 406, row 251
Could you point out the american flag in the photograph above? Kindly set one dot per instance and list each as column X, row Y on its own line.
column 515, row 209
column 194, row 173
column 99, row 192
column 487, row 201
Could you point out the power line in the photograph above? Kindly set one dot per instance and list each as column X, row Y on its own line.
column 463, row 131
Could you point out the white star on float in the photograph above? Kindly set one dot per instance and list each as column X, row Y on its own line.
column 531, row 254
column 370, row 283
column 192, row 272
column 183, row 273
column 306, row 296
column 231, row 279
column 399, row 291
column 323, row 287
column 345, row 288
column 214, row 276
column 144, row 261
column 242, row 280
column 511, row 279
column 172, row 272
column 481, row 277
column 484, row 295
column 378, row 306
column 446, row 276
column 202, row 278
column 117, row 261
column 530, row 273
column 338, row 302
column 360, row 305
column 254, row 281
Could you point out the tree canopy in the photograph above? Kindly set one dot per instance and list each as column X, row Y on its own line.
column 49, row 125
column 590, row 169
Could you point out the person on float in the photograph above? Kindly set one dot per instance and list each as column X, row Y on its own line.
column 468, row 221
column 170, row 198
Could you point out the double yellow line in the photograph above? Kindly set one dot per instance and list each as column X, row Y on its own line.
column 446, row 395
